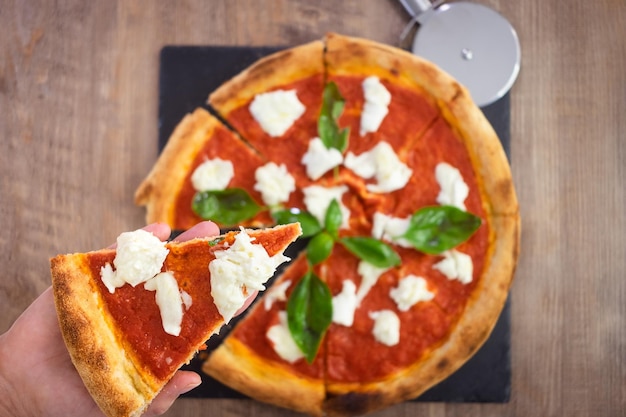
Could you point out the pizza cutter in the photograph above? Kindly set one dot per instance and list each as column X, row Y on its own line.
column 471, row 42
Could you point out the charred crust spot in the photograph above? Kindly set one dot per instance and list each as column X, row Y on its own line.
column 442, row 364
column 353, row 403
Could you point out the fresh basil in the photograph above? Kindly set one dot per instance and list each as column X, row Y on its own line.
column 227, row 207
column 333, row 218
column 327, row 124
column 371, row 250
column 319, row 248
column 436, row 229
column 309, row 313
column 310, row 225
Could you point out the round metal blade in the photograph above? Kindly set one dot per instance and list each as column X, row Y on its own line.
column 475, row 45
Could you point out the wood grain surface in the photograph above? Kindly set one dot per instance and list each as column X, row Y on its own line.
column 78, row 132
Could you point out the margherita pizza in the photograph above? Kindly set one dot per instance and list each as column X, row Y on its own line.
column 131, row 316
column 406, row 195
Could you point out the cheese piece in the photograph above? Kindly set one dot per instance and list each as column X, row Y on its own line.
column 276, row 111
column 376, row 106
column 345, row 304
column 382, row 163
column 454, row 190
column 281, row 339
column 386, row 327
column 410, row 291
column 238, row 271
column 318, row 198
column 318, row 159
column 212, row 175
column 278, row 292
column 369, row 277
column 187, row 301
column 456, row 265
column 274, row 183
column 169, row 300
column 139, row 257
column 390, row 228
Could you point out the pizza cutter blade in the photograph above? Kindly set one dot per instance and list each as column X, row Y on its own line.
column 471, row 42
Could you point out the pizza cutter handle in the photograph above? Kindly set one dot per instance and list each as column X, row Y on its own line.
column 416, row 7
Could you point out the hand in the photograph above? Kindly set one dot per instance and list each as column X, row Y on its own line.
column 37, row 376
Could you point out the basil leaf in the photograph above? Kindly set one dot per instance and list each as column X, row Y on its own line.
column 227, row 207
column 333, row 218
column 327, row 123
column 319, row 248
column 372, row 250
column 436, row 229
column 310, row 225
column 309, row 313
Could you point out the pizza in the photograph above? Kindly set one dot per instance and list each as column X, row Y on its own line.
column 407, row 204
column 132, row 315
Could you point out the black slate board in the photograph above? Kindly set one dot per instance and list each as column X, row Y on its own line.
column 187, row 75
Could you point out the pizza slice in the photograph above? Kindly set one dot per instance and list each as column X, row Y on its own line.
column 259, row 358
column 131, row 316
column 202, row 154
column 275, row 103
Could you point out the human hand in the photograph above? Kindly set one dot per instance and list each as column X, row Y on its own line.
column 37, row 377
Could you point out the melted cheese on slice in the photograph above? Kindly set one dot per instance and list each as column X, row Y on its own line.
column 318, row 198
column 376, row 107
column 212, row 175
column 139, row 257
column 318, row 159
column 386, row 327
column 274, row 183
column 282, row 342
column 369, row 277
column 276, row 111
column 169, row 300
column 345, row 304
column 382, row 163
column 238, row 271
column 390, row 228
column 410, row 291
column 456, row 265
column 454, row 190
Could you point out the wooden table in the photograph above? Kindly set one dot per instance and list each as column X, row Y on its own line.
column 78, row 129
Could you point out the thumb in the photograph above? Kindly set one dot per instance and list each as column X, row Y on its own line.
column 181, row 382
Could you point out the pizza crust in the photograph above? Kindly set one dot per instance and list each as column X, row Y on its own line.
column 159, row 190
column 110, row 376
column 270, row 72
column 235, row 365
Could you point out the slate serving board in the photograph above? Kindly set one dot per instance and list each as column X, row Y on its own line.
column 187, row 75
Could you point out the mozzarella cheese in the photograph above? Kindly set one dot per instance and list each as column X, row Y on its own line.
column 212, row 175
column 369, row 277
column 390, row 228
column 318, row 159
column 276, row 111
column 376, row 106
column 139, row 257
column 456, row 265
column 345, row 304
column 281, row 339
column 318, row 198
column 382, row 163
column 238, row 271
column 278, row 292
column 386, row 327
column 274, row 183
column 169, row 300
column 410, row 291
column 454, row 190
